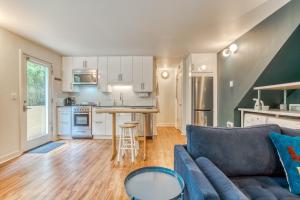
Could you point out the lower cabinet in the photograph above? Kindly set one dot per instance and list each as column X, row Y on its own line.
column 98, row 124
column 252, row 119
column 64, row 121
column 102, row 123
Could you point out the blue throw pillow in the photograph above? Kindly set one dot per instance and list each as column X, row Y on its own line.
column 288, row 149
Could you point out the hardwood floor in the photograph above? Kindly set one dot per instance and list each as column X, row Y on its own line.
column 80, row 169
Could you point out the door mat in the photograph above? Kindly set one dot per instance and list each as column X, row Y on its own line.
column 45, row 148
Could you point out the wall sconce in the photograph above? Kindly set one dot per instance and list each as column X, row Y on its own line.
column 233, row 48
column 226, row 52
column 230, row 50
column 164, row 74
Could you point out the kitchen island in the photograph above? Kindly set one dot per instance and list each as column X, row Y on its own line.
column 114, row 110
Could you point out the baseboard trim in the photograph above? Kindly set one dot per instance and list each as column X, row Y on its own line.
column 8, row 157
column 166, row 125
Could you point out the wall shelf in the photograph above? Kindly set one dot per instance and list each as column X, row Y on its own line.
column 284, row 86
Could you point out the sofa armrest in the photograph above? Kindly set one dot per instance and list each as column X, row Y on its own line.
column 197, row 185
column 222, row 184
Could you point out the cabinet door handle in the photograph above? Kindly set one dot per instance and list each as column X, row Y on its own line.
column 85, row 64
column 121, row 77
column 99, row 122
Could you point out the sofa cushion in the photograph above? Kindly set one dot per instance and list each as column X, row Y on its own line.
column 264, row 188
column 222, row 184
column 289, row 153
column 290, row 132
column 236, row 151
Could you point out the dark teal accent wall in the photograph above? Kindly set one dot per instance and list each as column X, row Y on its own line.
column 284, row 68
column 267, row 54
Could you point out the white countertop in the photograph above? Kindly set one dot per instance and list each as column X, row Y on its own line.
column 276, row 112
column 126, row 110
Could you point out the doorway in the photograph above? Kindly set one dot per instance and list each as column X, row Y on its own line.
column 36, row 98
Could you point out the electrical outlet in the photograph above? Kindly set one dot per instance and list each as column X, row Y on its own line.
column 230, row 124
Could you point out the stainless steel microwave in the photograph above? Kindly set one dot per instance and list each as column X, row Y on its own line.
column 85, row 76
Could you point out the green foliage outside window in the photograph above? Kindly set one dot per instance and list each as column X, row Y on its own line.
column 36, row 84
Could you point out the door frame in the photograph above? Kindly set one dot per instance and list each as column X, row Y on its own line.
column 23, row 56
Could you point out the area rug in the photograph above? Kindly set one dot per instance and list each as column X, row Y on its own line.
column 45, row 148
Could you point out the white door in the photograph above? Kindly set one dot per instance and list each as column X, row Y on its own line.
column 79, row 62
column 137, row 71
column 91, row 62
column 64, row 120
column 36, row 103
column 114, row 69
column 67, row 82
column 126, row 69
column 98, row 123
column 147, row 74
column 102, row 74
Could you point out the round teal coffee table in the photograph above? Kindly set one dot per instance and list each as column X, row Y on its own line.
column 157, row 183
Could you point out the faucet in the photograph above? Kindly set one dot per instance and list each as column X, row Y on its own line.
column 121, row 98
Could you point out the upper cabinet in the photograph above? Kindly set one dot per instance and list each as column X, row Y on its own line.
column 102, row 74
column 112, row 70
column 120, row 70
column 67, row 71
column 85, row 62
column 143, row 73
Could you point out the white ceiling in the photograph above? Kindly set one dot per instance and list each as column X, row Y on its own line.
column 164, row 28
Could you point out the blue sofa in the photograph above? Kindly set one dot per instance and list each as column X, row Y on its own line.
column 232, row 164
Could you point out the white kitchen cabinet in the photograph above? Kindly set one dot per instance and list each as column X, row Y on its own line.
column 64, row 121
column 108, row 123
column 120, row 70
column 121, row 118
column 114, row 68
column 143, row 73
column 67, row 78
column 85, row 62
column 98, row 123
column 126, row 69
column 103, row 74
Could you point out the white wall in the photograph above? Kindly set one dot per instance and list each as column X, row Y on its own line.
column 92, row 94
column 167, row 92
column 9, row 83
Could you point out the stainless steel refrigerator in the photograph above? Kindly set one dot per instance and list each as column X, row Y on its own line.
column 202, row 101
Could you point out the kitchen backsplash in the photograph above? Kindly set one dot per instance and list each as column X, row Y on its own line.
column 92, row 94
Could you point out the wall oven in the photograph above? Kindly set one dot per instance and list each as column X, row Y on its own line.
column 82, row 122
column 85, row 77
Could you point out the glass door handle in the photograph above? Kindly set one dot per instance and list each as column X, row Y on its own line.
column 25, row 108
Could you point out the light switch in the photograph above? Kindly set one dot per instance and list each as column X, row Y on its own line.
column 230, row 83
column 13, row 96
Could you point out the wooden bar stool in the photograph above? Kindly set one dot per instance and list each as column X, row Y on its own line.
column 136, row 141
column 127, row 141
